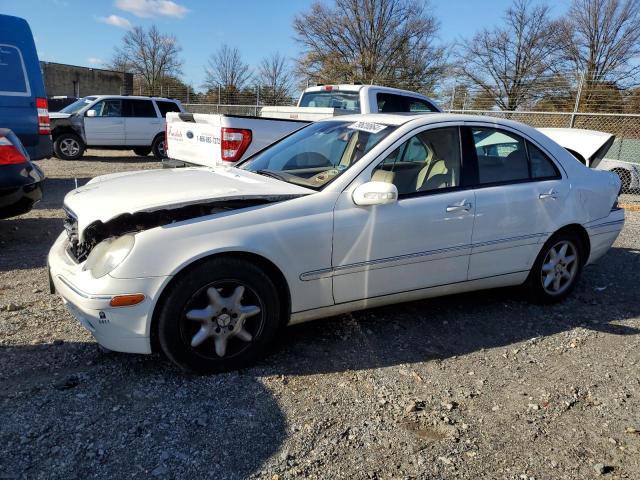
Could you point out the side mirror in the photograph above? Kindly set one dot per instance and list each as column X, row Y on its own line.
column 375, row 193
column 91, row 113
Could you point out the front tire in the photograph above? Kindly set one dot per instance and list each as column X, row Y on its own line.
column 220, row 316
column 557, row 269
column 68, row 146
column 158, row 147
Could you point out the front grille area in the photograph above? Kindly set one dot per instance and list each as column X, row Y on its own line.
column 71, row 227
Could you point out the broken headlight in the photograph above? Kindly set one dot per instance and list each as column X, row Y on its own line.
column 108, row 254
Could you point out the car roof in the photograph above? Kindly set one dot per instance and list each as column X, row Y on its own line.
column 398, row 119
column 132, row 97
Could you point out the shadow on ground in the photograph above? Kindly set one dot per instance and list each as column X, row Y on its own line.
column 228, row 425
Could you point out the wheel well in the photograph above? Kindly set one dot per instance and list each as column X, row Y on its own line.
column 60, row 130
column 280, row 282
column 580, row 231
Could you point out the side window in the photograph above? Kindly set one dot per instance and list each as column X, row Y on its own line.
column 428, row 161
column 166, row 107
column 140, row 109
column 108, row 108
column 541, row 165
column 417, row 105
column 390, row 103
column 13, row 75
column 502, row 156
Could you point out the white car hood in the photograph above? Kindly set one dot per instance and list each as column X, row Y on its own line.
column 585, row 142
column 54, row 115
column 110, row 196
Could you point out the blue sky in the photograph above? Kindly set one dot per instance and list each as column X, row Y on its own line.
column 82, row 32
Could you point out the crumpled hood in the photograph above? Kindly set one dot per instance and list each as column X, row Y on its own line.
column 109, row 196
column 56, row 115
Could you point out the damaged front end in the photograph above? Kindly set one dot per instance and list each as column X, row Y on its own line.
column 80, row 246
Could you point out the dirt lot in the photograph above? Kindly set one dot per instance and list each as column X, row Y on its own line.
column 473, row 386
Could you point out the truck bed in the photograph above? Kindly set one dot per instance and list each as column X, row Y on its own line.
column 196, row 138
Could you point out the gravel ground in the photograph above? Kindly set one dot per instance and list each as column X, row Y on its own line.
column 472, row 386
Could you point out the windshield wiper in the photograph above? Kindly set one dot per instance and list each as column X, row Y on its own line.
column 272, row 174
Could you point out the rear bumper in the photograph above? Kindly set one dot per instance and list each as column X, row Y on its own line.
column 20, row 199
column 603, row 232
column 42, row 149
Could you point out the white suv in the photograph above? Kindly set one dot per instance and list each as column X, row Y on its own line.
column 112, row 122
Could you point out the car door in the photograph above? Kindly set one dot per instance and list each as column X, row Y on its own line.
column 519, row 201
column 106, row 126
column 423, row 239
column 142, row 123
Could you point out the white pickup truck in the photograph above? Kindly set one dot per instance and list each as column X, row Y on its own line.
column 216, row 139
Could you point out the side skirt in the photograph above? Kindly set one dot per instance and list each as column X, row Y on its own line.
column 509, row 279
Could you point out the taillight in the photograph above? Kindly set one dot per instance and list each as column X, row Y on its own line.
column 9, row 153
column 327, row 88
column 234, row 143
column 44, row 127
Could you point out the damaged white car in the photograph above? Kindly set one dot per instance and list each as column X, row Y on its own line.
column 207, row 264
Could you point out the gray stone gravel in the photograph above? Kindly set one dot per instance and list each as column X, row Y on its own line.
column 472, row 386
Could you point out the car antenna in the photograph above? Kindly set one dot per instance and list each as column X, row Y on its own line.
column 76, row 180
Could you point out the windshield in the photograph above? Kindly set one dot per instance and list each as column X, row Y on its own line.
column 332, row 99
column 319, row 153
column 78, row 105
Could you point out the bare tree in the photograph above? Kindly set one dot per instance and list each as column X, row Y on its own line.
column 275, row 78
column 507, row 62
column 601, row 41
column 390, row 42
column 150, row 55
column 226, row 69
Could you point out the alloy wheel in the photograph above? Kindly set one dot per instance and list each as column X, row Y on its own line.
column 560, row 267
column 222, row 319
column 69, row 147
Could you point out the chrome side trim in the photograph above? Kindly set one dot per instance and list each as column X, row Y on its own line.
column 409, row 258
column 496, row 281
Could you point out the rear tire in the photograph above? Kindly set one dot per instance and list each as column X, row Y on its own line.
column 142, row 151
column 68, row 146
column 221, row 315
column 557, row 269
column 158, row 147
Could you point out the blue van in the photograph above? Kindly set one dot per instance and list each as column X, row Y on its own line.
column 23, row 100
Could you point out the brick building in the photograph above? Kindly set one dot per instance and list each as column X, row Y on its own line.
column 75, row 81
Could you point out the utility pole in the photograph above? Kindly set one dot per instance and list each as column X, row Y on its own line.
column 576, row 106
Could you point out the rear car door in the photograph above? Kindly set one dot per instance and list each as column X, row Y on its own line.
column 107, row 126
column 519, row 200
column 422, row 240
column 141, row 122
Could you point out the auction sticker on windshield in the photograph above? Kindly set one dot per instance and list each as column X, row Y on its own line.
column 369, row 127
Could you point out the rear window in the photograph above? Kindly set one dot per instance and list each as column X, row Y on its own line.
column 139, row 108
column 166, row 107
column 13, row 74
column 332, row 99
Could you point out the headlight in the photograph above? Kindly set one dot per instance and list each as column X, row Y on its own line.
column 108, row 254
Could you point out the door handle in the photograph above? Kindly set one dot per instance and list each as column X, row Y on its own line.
column 550, row 194
column 458, row 207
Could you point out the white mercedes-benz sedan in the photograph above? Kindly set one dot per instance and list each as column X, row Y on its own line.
column 207, row 264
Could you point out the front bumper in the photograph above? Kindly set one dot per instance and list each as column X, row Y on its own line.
column 122, row 329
